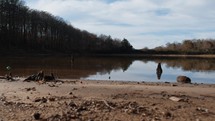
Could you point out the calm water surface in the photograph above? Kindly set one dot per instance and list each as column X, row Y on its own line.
column 113, row 68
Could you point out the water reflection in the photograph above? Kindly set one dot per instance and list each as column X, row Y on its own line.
column 112, row 68
column 64, row 67
column 188, row 64
column 159, row 71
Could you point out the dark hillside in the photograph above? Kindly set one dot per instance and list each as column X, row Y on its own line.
column 26, row 30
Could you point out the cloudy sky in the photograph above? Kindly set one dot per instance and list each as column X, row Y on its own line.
column 145, row 23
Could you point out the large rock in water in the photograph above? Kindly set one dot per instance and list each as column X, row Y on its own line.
column 183, row 79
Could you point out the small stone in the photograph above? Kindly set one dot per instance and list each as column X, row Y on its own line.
column 174, row 85
column 37, row 99
column 176, row 99
column 168, row 115
column 44, row 100
column 179, row 107
column 72, row 104
column 183, row 79
column 197, row 119
column 202, row 109
column 31, row 89
column 51, row 99
column 36, row 116
column 75, row 89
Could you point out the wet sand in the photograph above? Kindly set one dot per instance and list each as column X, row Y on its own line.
column 90, row 100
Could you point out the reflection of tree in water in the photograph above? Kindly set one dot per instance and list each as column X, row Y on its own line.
column 62, row 67
column 103, row 65
column 83, row 67
column 187, row 64
column 192, row 64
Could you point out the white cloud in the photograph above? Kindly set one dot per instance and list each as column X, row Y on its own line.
column 175, row 20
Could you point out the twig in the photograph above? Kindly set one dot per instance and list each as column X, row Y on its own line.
column 106, row 103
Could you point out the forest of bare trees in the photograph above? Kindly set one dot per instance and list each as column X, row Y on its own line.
column 195, row 46
column 22, row 28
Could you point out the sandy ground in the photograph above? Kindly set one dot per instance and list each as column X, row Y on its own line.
column 85, row 100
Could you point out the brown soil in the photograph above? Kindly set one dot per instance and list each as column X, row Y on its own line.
column 79, row 100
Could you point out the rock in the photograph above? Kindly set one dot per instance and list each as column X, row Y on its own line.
column 75, row 89
column 36, row 116
column 183, row 79
column 41, row 82
column 43, row 100
column 173, row 85
column 202, row 109
column 168, row 115
column 37, row 99
column 51, row 99
column 31, row 89
column 72, row 104
column 175, row 99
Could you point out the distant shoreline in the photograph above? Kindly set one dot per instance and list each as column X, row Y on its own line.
column 157, row 55
column 110, row 55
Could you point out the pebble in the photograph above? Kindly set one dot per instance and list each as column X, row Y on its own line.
column 173, row 85
column 175, row 99
column 202, row 109
column 36, row 116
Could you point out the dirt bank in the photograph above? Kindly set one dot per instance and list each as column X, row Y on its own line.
column 83, row 100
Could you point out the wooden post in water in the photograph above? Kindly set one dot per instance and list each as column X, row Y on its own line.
column 159, row 71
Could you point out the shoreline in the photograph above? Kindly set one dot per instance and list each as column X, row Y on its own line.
column 77, row 100
column 137, row 55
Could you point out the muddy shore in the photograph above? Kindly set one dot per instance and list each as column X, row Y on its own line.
column 90, row 100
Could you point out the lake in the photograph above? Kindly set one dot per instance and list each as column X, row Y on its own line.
column 113, row 68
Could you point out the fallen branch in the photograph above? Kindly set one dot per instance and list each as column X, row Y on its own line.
column 106, row 103
column 2, row 77
column 7, row 78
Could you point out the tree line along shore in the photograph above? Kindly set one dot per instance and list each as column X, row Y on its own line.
column 25, row 30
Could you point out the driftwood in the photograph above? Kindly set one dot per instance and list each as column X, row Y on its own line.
column 8, row 77
column 31, row 78
column 106, row 103
column 49, row 78
column 40, row 77
column 2, row 77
